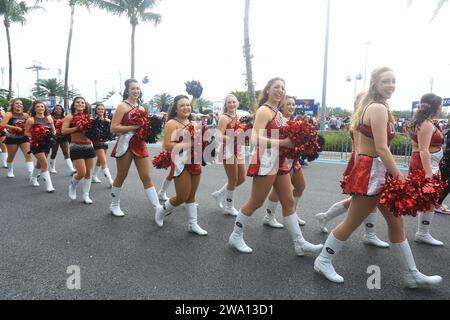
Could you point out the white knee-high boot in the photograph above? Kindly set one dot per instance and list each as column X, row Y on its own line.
column 423, row 230
column 236, row 239
column 191, row 210
column 107, row 175
column 86, row 187
column 30, row 167
column 412, row 277
column 370, row 236
column 51, row 164
column 162, row 192
column 152, row 197
column 33, row 179
column 69, row 165
column 48, row 182
column 162, row 211
column 219, row 195
column 10, row 169
column 3, row 158
column 301, row 246
column 300, row 221
column 73, row 188
column 115, row 202
column 95, row 179
column 334, row 211
column 323, row 264
column 269, row 218
column 229, row 203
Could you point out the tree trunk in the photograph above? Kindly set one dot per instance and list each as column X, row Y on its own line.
column 133, row 31
column 69, row 43
column 9, row 95
column 248, row 59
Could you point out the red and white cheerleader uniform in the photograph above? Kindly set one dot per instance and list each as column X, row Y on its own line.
column 232, row 147
column 181, row 161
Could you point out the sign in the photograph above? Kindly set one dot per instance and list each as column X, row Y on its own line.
column 49, row 102
column 217, row 107
column 306, row 106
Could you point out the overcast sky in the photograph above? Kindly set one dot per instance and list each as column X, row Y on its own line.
column 202, row 40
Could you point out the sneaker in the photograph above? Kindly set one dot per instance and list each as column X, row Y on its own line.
column 443, row 209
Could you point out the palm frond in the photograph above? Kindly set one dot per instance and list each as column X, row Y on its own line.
column 438, row 8
column 151, row 17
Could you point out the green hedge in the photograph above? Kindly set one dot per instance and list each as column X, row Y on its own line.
column 339, row 141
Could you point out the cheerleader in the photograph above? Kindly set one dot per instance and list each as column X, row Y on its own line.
column 39, row 116
column 426, row 155
column 341, row 207
column 101, row 145
column 231, row 154
column 297, row 178
column 129, row 147
column 268, row 171
column 14, row 123
column 62, row 141
column 82, row 151
column 3, row 151
column 185, row 169
column 374, row 128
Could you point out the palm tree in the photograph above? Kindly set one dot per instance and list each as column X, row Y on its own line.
column 436, row 10
column 161, row 100
column 135, row 10
column 13, row 11
column 202, row 105
column 248, row 58
column 48, row 88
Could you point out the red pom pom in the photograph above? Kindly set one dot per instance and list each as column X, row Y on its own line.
column 399, row 197
column 39, row 135
column 163, row 160
column 82, row 121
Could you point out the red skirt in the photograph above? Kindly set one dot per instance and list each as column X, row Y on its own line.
column 193, row 169
column 350, row 164
column 366, row 176
column 137, row 147
column 415, row 163
column 267, row 162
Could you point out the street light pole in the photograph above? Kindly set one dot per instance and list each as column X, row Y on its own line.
column 325, row 69
column 365, row 62
column 3, row 80
column 95, row 84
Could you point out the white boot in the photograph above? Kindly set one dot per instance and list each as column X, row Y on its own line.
column 229, row 203
column 33, row 179
column 115, row 202
column 86, row 187
column 51, row 168
column 334, row 211
column 69, row 165
column 152, row 196
column 236, row 239
column 191, row 210
column 269, row 218
column 95, row 179
column 3, row 157
column 370, row 236
column 73, row 188
column 162, row 211
column 107, row 175
column 300, row 221
column 48, row 182
column 10, row 169
column 423, row 231
column 412, row 277
column 323, row 264
column 301, row 246
column 123, row 143
column 162, row 196
column 219, row 196
column 30, row 168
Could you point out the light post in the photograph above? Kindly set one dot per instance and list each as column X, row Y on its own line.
column 3, row 80
column 325, row 69
column 59, row 74
column 349, row 78
column 95, row 85
column 367, row 44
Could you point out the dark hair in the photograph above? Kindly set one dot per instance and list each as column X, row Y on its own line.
column 127, row 85
column 95, row 110
column 428, row 107
column 11, row 104
column 264, row 94
column 32, row 110
column 72, row 106
column 62, row 110
column 173, row 107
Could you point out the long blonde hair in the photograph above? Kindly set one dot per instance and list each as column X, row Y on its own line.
column 225, row 110
column 371, row 96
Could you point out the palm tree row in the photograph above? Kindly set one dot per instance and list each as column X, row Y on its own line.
column 135, row 10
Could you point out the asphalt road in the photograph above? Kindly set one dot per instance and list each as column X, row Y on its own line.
column 42, row 236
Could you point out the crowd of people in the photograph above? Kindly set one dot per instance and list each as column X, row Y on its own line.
column 275, row 175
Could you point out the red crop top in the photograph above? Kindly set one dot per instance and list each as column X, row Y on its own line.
column 436, row 140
